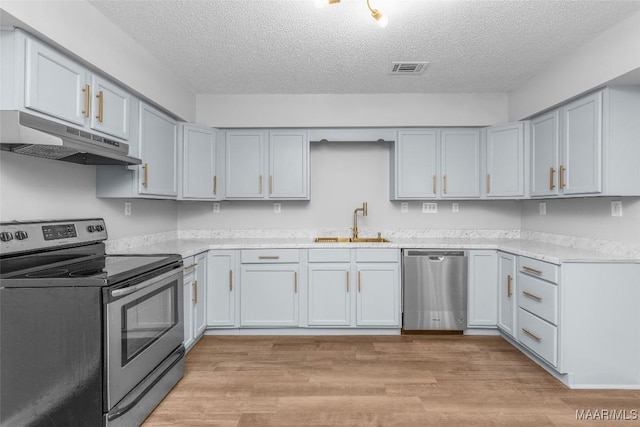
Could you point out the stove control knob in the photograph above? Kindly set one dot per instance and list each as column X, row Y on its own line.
column 5, row 236
column 21, row 235
column 99, row 228
column 91, row 229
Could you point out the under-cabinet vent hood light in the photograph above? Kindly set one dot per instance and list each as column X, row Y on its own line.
column 414, row 68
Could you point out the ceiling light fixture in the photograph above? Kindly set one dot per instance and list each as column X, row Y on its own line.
column 382, row 19
column 377, row 15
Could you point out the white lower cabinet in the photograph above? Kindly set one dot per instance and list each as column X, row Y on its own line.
column 329, row 287
column 507, row 288
column 269, row 295
column 378, row 287
column 482, row 290
column 194, row 287
column 221, row 289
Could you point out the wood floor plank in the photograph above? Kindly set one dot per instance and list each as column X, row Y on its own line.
column 390, row 381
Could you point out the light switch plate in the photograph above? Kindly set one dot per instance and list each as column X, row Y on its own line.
column 404, row 207
column 429, row 208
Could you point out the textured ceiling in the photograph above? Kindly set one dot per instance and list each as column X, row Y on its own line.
column 292, row 47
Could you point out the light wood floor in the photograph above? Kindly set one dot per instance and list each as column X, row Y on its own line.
column 374, row 381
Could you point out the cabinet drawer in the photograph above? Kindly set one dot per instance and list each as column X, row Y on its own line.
column 269, row 256
column 189, row 264
column 377, row 255
column 543, row 270
column 538, row 297
column 329, row 255
column 538, row 335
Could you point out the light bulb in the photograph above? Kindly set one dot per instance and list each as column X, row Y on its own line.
column 322, row 3
column 382, row 19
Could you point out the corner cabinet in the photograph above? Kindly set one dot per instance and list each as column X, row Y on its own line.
column 585, row 147
column 506, row 167
column 267, row 165
column 435, row 164
column 199, row 153
column 157, row 177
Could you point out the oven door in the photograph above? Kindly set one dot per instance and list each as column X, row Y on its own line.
column 144, row 326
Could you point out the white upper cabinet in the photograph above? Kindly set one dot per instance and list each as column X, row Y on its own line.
column 544, row 154
column 197, row 162
column 61, row 88
column 261, row 165
column 55, row 85
column 460, row 163
column 159, row 153
column 432, row 163
column 506, row 161
column 416, row 165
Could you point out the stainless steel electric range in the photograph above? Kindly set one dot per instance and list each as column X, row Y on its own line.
column 86, row 339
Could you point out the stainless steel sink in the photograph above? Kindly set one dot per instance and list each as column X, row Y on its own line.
column 378, row 239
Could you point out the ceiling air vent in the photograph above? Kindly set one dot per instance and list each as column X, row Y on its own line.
column 412, row 68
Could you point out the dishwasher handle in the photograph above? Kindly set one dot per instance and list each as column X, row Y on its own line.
column 434, row 255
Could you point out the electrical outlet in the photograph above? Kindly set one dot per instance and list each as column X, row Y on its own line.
column 543, row 208
column 429, row 208
column 127, row 208
column 455, row 207
column 616, row 208
column 404, row 207
column 277, row 208
column 216, row 207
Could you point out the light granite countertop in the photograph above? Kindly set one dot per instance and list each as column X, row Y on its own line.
column 544, row 251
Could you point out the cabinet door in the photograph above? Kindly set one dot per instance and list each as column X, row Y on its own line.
column 199, row 179
column 505, row 161
column 507, row 293
column 200, row 289
column 110, row 108
column 483, row 289
column 460, row 163
column 189, row 336
column 159, row 153
column 582, row 154
column 245, row 168
column 55, row 85
column 221, row 289
column 288, row 165
column 416, row 161
column 329, row 295
column 378, row 295
column 269, row 295
column 544, row 155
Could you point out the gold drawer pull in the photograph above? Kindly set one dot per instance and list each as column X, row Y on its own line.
column 215, row 185
column 435, row 184
column 260, row 183
column 532, row 335
column 295, row 282
column 100, row 115
column 347, row 281
column 531, row 270
column 359, row 282
column 268, row 257
column 562, row 171
column 509, row 280
column 444, row 184
column 190, row 266
column 270, row 184
column 145, row 178
column 230, row 280
column 87, row 100
column 532, row 296
column 552, row 185
column 195, row 291
column 488, row 183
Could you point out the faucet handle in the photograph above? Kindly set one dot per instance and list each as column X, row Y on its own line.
column 364, row 209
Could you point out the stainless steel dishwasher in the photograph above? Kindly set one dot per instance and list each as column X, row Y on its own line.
column 434, row 289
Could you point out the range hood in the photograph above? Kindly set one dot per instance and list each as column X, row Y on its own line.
column 25, row 133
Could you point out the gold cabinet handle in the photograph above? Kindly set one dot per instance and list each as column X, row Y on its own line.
column 260, row 183
column 532, row 296
column 562, row 171
column 145, row 178
column 215, row 184
column 509, row 280
column 230, row 280
column 531, row 270
column 190, row 266
column 268, row 257
column 531, row 334
column 100, row 115
column 87, row 100
column 552, row 185
column 270, row 184
column 195, row 291
column 435, row 184
column 295, row 282
column 347, row 281
column 488, row 183
column 359, row 282
column 444, row 184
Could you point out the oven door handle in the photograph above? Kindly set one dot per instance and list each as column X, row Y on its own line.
column 117, row 293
